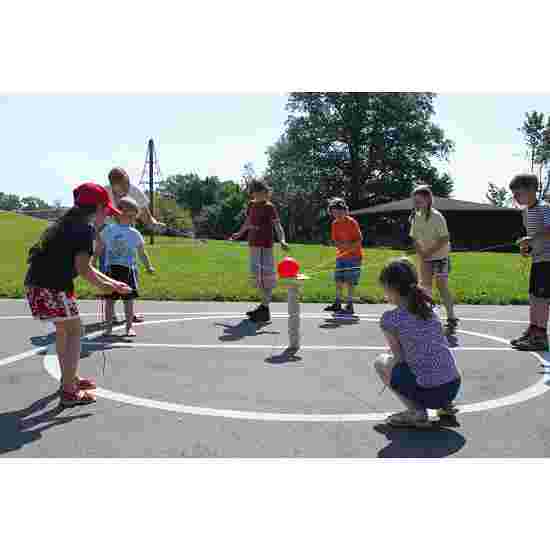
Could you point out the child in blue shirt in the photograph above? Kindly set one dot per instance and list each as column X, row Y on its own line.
column 121, row 243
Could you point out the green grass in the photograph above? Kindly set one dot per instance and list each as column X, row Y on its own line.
column 218, row 270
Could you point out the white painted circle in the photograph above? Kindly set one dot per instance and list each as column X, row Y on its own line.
column 51, row 365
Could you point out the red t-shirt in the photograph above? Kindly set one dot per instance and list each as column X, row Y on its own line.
column 261, row 216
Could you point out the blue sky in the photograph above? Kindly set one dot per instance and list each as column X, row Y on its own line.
column 50, row 143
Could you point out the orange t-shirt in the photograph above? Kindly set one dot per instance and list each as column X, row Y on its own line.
column 347, row 229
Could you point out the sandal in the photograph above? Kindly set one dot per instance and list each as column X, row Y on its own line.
column 78, row 397
column 82, row 384
column 409, row 419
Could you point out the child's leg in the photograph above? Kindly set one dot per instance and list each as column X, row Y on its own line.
column 129, row 312
column 425, row 272
column 61, row 346
column 538, row 314
column 350, row 292
column 339, row 291
column 267, row 294
column 383, row 365
column 109, row 312
column 442, row 283
column 70, row 356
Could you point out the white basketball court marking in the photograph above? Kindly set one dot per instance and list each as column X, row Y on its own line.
column 51, row 365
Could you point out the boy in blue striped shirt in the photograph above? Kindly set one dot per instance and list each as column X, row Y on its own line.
column 536, row 219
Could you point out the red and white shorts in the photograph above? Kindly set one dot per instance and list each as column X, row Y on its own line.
column 52, row 305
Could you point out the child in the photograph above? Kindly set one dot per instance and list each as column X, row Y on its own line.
column 261, row 219
column 120, row 186
column 536, row 219
column 119, row 243
column 63, row 252
column 346, row 234
column 432, row 243
column 421, row 369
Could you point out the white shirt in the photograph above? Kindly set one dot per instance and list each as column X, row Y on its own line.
column 134, row 192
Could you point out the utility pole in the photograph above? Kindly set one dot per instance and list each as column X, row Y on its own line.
column 151, row 169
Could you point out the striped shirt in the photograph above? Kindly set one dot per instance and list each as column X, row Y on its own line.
column 424, row 346
column 537, row 219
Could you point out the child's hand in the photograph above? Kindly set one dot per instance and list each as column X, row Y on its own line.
column 525, row 246
column 122, row 288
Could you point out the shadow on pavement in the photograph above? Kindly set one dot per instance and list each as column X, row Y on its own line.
column 18, row 428
column 437, row 442
column 340, row 321
column 242, row 330
column 287, row 356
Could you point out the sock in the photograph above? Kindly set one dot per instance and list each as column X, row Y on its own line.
column 338, row 298
column 350, row 296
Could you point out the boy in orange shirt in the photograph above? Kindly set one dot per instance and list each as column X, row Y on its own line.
column 347, row 237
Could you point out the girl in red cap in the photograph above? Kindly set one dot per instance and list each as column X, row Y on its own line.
column 63, row 252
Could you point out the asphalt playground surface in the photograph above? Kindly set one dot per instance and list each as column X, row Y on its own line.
column 200, row 380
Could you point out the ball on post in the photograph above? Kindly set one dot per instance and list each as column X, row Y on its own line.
column 288, row 267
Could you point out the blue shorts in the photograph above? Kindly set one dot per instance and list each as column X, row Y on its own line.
column 403, row 382
column 351, row 270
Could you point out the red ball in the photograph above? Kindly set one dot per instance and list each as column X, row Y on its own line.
column 288, row 267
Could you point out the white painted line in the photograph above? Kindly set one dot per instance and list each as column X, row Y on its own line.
column 14, row 358
column 266, row 346
column 51, row 365
column 275, row 314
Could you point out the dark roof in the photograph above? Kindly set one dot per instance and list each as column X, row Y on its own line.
column 440, row 203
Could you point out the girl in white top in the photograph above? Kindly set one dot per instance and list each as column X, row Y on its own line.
column 432, row 243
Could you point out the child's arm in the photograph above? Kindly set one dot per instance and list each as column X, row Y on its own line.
column 394, row 345
column 442, row 241
column 84, row 267
column 99, row 249
column 280, row 234
column 145, row 259
column 244, row 228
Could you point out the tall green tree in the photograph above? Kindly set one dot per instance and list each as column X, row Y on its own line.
column 192, row 192
column 9, row 202
column 34, row 203
column 373, row 146
column 499, row 196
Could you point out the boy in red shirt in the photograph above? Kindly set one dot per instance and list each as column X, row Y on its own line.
column 347, row 236
column 261, row 219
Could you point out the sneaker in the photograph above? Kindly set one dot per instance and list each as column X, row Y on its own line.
column 533, row 343
column 349, row 309
column 448, row 410
column 261, row 315
column 336, row 307
column 524, row 336
column 253, row 311
column 450, row 326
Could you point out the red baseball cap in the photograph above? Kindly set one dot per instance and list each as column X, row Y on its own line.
column 92, row 194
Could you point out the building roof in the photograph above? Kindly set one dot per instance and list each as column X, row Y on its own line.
column 440, row 203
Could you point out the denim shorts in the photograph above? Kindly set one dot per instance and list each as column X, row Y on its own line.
column 350, row 270
column 403, row 382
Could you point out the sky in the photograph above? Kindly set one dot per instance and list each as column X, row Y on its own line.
column 51, row 143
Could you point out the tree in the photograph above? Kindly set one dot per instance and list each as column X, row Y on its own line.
column 499, row 196
column 9, row 202
column 191, row 192
column 532, row 130
column 34, row 203
column 225, row 216
column 369, row 147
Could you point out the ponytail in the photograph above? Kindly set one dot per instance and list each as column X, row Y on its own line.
column 419, row 302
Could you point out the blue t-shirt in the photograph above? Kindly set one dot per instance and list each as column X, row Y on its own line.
column 121, row 244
